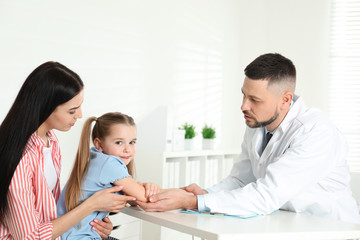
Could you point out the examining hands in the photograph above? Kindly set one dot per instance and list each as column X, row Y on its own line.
column 170, row 199
column 195, row 189
column 150, row 189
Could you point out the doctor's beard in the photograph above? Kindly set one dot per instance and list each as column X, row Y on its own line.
column 263, row 123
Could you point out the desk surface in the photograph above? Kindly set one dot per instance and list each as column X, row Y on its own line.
column 278, row 225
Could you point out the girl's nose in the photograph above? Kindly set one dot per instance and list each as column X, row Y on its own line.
column 126, row 148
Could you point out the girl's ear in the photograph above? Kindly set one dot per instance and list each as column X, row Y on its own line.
column 97, row 143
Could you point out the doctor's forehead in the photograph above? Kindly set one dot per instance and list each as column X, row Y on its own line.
column 254, row 87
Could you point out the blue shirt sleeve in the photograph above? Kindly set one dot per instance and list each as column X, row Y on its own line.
column 113, row 170
column 60, row 205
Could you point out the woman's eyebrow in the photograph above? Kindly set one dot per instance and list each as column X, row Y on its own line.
column 74, row 108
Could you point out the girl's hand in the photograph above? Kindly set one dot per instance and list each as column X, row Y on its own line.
column 151, row 189
column 103, row 228
column 107, row 201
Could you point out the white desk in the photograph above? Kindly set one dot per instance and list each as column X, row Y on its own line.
column 278, row 225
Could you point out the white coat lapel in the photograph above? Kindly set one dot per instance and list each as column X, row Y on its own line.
column 270, row 147
column 274, row 145
column 257, row 141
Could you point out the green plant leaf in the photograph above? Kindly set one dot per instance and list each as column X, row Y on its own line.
column 189, row 130
column 208, row 132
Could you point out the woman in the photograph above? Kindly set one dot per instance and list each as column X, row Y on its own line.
column 50, row 98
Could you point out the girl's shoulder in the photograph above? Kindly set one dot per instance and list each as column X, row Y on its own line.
column 97, row 156
column 104, row 170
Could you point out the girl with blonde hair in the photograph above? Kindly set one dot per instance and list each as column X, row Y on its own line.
column 107, row 164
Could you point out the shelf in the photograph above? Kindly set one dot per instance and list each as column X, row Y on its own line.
column 180, row 168
column 198, row 153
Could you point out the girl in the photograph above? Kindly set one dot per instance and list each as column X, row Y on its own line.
column 109, row 163
column 30, row 159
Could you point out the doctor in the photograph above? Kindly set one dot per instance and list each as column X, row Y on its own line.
column 293, row 158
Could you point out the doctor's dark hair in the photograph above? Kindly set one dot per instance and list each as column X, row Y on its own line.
column 100, row 130
column 48, row 86
column 274, row 68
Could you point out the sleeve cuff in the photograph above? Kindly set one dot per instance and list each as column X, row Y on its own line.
column 201, row 204
column 209, row 190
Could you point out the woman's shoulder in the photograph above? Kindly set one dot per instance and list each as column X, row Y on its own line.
column 32, row 147
column 29, row 162
column 32, row 150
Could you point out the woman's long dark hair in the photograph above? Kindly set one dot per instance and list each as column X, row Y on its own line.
column 48, row 86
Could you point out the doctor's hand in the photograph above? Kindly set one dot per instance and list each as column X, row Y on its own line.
column 195, row 189
column 170, row 199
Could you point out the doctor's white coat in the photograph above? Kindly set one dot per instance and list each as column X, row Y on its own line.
column 302, row 169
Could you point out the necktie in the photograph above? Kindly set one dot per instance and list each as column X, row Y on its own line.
column 268, row 137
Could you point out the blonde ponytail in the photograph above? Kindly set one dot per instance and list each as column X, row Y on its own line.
column 81, row 165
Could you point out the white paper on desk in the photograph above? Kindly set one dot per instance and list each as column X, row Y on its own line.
column 220, row 214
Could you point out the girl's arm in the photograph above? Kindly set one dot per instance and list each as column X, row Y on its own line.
column 104, row 200
column 132, row 188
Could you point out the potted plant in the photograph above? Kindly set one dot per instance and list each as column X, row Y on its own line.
column 189, row 135
column 208, row 134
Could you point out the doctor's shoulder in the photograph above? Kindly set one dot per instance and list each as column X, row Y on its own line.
column 312, row 119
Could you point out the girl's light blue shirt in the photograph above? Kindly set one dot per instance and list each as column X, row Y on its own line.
column 103, row 171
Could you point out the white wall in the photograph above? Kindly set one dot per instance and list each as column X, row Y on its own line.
column 187, row 55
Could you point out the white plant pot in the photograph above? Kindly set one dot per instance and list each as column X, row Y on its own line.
column 208, row 144
column 178, row 140
column 189, row 144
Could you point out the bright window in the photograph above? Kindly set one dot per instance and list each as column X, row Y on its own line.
column 344, row 95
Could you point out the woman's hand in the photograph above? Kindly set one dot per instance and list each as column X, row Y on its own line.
column 103, row 228
column 107, row 201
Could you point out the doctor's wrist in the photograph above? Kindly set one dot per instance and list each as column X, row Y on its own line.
column 191, row 202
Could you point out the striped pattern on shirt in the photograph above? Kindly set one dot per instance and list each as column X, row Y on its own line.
column 31, row 203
